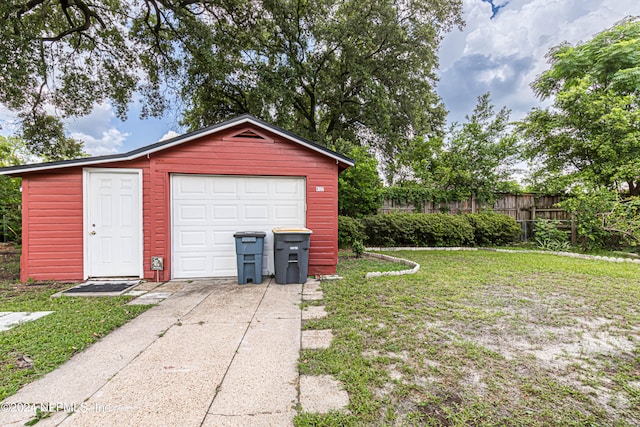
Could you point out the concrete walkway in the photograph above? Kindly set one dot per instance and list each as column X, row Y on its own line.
column 214, row 353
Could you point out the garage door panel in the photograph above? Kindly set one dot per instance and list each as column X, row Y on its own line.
column 192, row 213
column 224, row 188
column 256, row 188
column 189, row 188
column 193, row 265
column 285, row 187
column 231, row 204
column 188, row 240
column 222, row 238
column 224, row 212
column 255, row 212
column 224, row 266
column 287, row 212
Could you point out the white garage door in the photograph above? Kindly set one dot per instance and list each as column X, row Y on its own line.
column 207, row 210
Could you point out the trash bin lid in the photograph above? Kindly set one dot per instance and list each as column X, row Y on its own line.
column 250, row 234
column 292, row 230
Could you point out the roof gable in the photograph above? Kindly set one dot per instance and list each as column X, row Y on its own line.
column 251, row 132
column 248, row 134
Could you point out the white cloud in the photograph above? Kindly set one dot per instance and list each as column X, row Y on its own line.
column 169, row 135
column 108, row 143
column 505, row 54
column 97, row 131
column 8, row 121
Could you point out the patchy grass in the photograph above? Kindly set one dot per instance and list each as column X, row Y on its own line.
column 30, row 350
column 483, row 338
column 361, row 266
column 9, row 262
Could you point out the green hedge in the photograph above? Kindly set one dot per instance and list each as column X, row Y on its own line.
column 415, row 229
column 406, row 229
column 349, row 230
column 492, row 229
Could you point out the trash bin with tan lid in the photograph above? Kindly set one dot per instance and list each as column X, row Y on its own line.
column 291, row 254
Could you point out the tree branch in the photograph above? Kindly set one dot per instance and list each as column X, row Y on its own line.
column 87, row 13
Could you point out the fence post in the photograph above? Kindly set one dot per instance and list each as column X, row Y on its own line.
column 524, row 235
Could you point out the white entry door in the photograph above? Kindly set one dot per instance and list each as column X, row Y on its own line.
column 207, row 210
column 113, row 223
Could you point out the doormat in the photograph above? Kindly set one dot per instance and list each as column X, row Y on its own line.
column 114, row 287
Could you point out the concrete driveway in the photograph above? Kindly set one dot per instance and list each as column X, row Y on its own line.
column 212, row 354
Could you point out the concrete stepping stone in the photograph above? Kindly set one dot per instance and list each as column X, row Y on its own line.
column 147, row 286
column 314, row 294
column 9, row 319
column 321, row 394
column 316, row 339
column 314, row 312
column 311, row 291
column 311, row 287
column 150, row 298
column 135, row 293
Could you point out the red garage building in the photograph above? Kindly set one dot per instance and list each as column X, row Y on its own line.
column 182, row 200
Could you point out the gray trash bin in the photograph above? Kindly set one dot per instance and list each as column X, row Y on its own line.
column 291, row 254
column 249, row 249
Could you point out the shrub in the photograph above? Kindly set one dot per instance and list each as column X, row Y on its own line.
column 359, row 187
column 493, row 229
column 588, row 208
column 549, row 237
column 350, row 230
column 405, row 229
column 358, row 248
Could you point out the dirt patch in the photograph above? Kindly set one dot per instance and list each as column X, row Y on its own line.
column 439, row 408
column 11, row 290
column 557, row 335
column 9, row 262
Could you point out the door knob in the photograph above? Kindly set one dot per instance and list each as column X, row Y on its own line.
column 93, row 233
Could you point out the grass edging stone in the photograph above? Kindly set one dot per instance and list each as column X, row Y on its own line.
column 414, row 266
column 519, row 251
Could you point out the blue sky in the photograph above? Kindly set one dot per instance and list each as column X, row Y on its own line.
column 501, row 50
column 503, row 46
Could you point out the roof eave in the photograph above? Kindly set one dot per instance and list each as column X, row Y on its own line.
column 178, row 140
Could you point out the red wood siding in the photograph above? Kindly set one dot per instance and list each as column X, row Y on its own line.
column 220, row 154
column 52, row 245
column 53, row 206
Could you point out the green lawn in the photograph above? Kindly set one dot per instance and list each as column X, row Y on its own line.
column 30, row 350
column 483, row 339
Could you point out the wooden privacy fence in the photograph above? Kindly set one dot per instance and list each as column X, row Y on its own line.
column 10, row 223
column 524, row 208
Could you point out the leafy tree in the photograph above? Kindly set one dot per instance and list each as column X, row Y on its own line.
column 326, row 69
column 44, row 137
column 322, row 68
column 604, row 218
column 360, row 187
column 623, row 220
column 12, row 152
column 478, row 157
column 10, row 213
column 65, row 54
column 591, row 133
